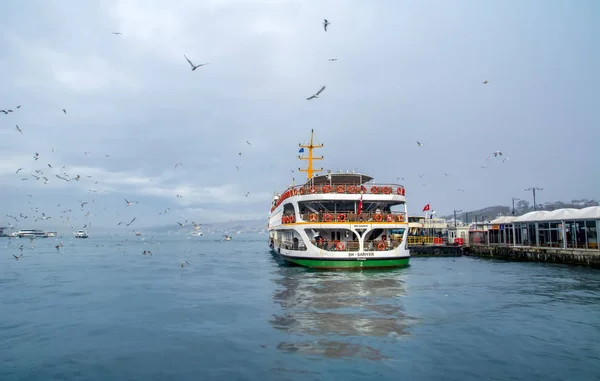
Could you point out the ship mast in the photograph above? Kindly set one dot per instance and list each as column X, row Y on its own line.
column 309, row 170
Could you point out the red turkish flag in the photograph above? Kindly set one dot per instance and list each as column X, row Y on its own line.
column 426, row 207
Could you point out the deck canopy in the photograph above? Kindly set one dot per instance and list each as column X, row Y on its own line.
column 339, row 179
column 566, row 214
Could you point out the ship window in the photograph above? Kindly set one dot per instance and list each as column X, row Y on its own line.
column 288, row 209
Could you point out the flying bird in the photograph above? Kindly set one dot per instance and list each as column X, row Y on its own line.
column 333, row 59
column 247, row 142
column 194, row 67
column 130, row 222
column 129, row 203
column 183, row 263
column 325, row 24
column 497, row 153
column 506, row 158
column 6, row 111
column 117, row 33
column 484, row 82
column 19, row 170
column 316, row 95
column 419, row 144
column 63, row 110
column 18, row 129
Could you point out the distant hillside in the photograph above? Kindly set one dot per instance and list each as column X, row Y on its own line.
column 521, row 207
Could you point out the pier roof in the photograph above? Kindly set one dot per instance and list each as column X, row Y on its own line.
column 566, row 214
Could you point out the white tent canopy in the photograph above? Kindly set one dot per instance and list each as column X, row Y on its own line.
column 567, row 214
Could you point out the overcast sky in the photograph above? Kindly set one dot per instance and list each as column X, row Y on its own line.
column 406, row 71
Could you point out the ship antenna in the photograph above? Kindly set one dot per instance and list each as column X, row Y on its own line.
column 309, row 170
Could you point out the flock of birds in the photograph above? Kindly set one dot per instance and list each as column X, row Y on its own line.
column 62, row 173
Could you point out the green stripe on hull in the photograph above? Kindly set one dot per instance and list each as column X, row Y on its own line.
column 354, row 264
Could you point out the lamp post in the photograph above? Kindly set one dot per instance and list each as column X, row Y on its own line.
column 513, row 200
column 533, row 189
column 456, row 211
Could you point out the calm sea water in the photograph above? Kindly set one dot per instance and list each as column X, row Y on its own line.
column 100, row 310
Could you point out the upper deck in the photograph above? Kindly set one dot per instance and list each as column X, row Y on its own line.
column 335, row 185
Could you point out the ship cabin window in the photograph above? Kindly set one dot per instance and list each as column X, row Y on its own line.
column 346, row 206
column 289, row 210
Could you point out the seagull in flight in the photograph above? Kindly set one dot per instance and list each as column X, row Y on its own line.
column 333, row 59
column 194, row 67
column 65, row 111
column 325, row 24
column 18, row 129
column 419, row 144
column 316, row 95
column 117, row 33
column 248, row 143
column 6, row 111
column 484, row 82
column 129, row 203
column 506, row 158
column 497, row 153
column 19, row 170
column 183, row 263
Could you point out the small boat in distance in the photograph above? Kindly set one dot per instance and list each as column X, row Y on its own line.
column 81, row 234
column 226, row 238
column 196, row 233
column 51, row 234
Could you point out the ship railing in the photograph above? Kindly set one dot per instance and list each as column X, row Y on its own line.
column 353, row 245
column 390, row 217
column 384, row 189
column 345, row 245
column 425, row 240
column 305, row 189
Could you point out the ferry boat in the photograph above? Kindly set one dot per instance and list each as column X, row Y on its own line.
column 29, row 233
column 339, row 221
column 81, row 234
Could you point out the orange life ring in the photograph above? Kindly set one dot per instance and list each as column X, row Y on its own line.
column 399, row 191
column 341, row 217
column 327, row 217
column 340, row 246
column 326, row 189
column 400, row 218
column 312, row 217
column 352, row 189
column 284, row 220
column 340, row 189
column 378, row 217
column 302, row 191
column 387, row 190
column 295, row 192
column 381, row 246
column 374, row 189
column 389, row 218
column 363, row 189
column 403, row 192
column 313, row 190
column 292, row 218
